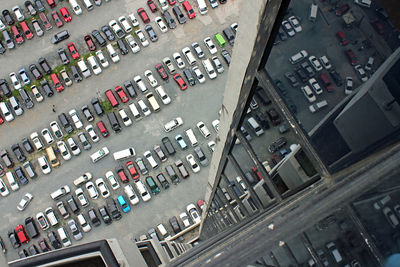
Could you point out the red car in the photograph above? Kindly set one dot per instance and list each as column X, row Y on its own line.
column 132, row 170
column 1, row 120
column 90, row 43
column 152, row 6
column 189, row 9
column 73, row 51
column 163, row 74
column 57, row 19
column 172, row 2
column 57, row 84
column 326, row 82
column 122, row 175
column 121, row 93
column 342, row 10
column 179, row 80
column 142, row 13
column 65, row 14
column 17, row 36
column 352, row 58
column 22, row 236
column 201, row 204
column 377, row 26
column 342, row 38
column 27, row 32
column 102, row 128
column 52, row 3
column 257, row 173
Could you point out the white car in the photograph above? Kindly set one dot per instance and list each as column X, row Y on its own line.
column 75, row 7
column 42, row 220
column 133, row 19
column 89, row 129
column 64, row 150
column 113, row 54
column 38, row 96
column 2, row 25
column 167, row 62
column 361, row 72
column 172, row 124
column 36, row 141
column 142, row 38
column 24, row 202
column 94, row 65
column 81, row 197
column 163, row 95
column 192, row 211
column 325, row 62
column 199, row 75
column 188, row 55
column 163, row 4
column 18, row 13
column 178, row 60
column 116, row 28
column 348, row 86
column 315, row 86
column 73, row 146
column 149, row 75
column 92, row 190
column 161, row 24
column 185, row 219
column 295, row 23
column 3, row 189
column 83, row 223
column 149, row 157
column 198, row 50
column 47, row 136
column 111, row 178
column 75, row 118
column 102, row 188
column 217, row 64
column 288, row 28
column 44, row 165
column 56, row 130
column 139, row 82
column 315, row 63
column 203, row 129
column 210, row 45
column 308, row 93
column 132, row 44
column 15, row 81
column 215, row 125
column 211, row 145
column 193, row 164
column 131, row 194
column 145, row 109
column 143, row 192
column 125, row 24
column 102, row 59
column 125, row 119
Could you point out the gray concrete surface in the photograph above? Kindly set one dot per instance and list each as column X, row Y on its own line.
column 200, row 102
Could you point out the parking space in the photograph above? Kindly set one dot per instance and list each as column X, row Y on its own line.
column 197, row 103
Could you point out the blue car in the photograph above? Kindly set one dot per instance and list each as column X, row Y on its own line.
column 124, row 205
column 181, row 142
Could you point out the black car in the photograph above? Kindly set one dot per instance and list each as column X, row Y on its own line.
column 88, row 114
column 226, row 56
column 279, row 86
column 291, row 105
column 31, row 228
column 262, row 120
column 2, row 48
column 301, row 73
column 161, row 178
column 22, row 253
column 21, row 175
column 60, row 36
column 129, row 87
column 152, row 34
column 291, row 78
column 275, row 146
column 262, row 96
column 107, row 31
column 168, row 146
column 65, row 122
column 18, row 152
column 93, row 217
column 35, row 72
column 99, row 38
column 282, row 34
column 54, row 241
column 122, row 47
column 112, row 207
column 73, row 205
column 45, row 65
column 97, row 107
column 39, row 5
column 43, row 245
column 105, row 215
column 169, row 19
column 46, row 88
column 14, row 239
column 174, row 224
column 229, row 35
column 75, row 73
column 7, row 16
column 189, row 76
column 179, row 15
column 63, row 55
column 31, row 9
column 336, row 77
column 26, row 98
column 5, row 88
column 33, row 250
column 308, row 69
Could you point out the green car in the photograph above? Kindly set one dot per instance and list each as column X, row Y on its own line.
column 220, row 40
column 153, row 186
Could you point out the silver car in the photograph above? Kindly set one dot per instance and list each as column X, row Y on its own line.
column 75, row 230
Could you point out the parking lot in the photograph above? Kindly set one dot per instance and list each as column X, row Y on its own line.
column 197, row 103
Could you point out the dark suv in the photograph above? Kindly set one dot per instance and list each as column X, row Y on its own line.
column 93, row 217
column 63, row 55
column 46, row 88
column 54, row 241
column 112, row 207
column 97, row 107
column 5, row 88
column 45, row 65
column 105, row 215
column 75, row 73
column 35, row 72
column 96, row 34
column 179, row 15
column 168, row 145
column 65, row 122
column 18, row 152
column 21, row 175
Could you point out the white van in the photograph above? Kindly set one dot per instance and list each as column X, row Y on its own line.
column 335, row 252
column 75, row 7
column 83, row 223
column 135, row 111
column 51, row 216
column 163, row 95
column 142, row 191
column 202, row 7
column 11, row 180
column 95, row 66
column 145, row 109
column 313, row 12
column 153, row 102
column 209, row 69
column 98, row 155
column 64, row 237
column 113, row 54
column 296, row 58
column 84, row 69
column 6, row 112
column 124, row 154
column 162, row 230
column 191, row 136
column 16, row 106
column 253, row 124
column 88, row 4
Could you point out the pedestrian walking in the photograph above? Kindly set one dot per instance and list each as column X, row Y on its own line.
column 54, row 108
